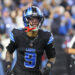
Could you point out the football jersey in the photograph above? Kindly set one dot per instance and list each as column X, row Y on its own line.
column 30, row 49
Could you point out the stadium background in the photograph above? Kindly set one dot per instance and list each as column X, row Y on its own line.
column 59, row 18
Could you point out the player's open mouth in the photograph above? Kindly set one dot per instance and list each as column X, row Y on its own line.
column 35, row 24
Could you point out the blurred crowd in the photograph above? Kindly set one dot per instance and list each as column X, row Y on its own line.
column 59, row 18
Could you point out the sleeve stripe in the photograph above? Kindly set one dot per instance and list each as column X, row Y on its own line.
column 12, row 37
column 50, row 40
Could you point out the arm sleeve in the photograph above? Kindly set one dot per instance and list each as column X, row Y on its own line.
column 49, row 48
column 12, row 45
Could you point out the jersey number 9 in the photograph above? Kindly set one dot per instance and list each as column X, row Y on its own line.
column 30, row 59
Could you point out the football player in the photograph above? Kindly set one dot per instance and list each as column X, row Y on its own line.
column 30, row 43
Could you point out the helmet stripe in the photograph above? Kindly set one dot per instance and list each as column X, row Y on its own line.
column 39, row 12
column 29, row 11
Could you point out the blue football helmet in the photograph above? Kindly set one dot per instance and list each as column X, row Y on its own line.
column 33, row 12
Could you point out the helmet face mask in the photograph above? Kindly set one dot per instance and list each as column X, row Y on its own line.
column 34, row 15
column 33, row 22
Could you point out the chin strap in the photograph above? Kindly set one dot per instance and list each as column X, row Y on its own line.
column 27, row 29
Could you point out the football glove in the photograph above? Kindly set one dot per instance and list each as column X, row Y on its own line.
column 47, row 69
column 8, row 68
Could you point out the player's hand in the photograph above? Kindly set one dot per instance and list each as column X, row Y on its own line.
column 47, row 69
column 8, row 68
column 10, row 73
column 48, row 65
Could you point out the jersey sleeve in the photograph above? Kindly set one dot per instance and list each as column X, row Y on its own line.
column 49, row 47
column 12, row 45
